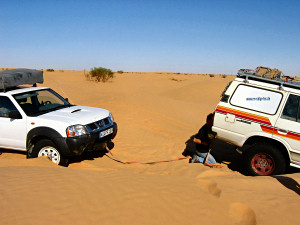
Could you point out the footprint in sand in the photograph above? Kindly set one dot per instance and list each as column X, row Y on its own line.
column 242, row 214
column 210, row 186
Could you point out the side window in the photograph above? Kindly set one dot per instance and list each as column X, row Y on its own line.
column 291, row 108
column 257, row 99
column 6, row 106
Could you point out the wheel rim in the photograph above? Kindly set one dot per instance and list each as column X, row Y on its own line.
column 51, row 153
column 263, row 164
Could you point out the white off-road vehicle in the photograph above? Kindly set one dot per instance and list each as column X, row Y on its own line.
column 261, row 116
column 42, row 123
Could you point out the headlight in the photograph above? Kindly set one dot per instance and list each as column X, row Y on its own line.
column 76, row 130
column 111, row 117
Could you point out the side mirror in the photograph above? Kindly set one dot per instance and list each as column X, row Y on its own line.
column 67, row 99
column 14, row 114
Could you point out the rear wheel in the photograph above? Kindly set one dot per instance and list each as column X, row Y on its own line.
column 47, row 148
column 263, row 159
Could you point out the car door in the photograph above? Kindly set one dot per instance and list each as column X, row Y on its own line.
column 13, row 131
column 288, row 126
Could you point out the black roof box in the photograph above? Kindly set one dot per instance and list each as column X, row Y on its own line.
column 15, row 77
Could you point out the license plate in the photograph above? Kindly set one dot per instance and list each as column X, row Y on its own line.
column 106, row 132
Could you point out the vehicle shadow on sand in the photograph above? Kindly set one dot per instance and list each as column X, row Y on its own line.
column 87, row 156
column 222, row 152
column 73, row 159
column 2, row 150
column 226, row 153
column 289, row 183
column 91, row 155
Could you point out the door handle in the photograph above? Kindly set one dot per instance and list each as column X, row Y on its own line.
column 281, row 131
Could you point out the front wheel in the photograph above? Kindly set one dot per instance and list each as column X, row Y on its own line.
column 47, row 148
column 263, row 159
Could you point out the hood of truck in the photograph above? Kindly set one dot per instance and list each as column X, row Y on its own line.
column 75, row 115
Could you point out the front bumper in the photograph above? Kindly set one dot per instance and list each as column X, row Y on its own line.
column 90, row 142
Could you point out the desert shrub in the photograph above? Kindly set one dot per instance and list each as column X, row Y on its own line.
column 211, row 75
column 50, row 70
column 174, row 79
column 100, row 74
column 88, row 76
column 120, row 71
column 224, row 76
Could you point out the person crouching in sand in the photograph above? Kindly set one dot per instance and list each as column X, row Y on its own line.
column 204, row 142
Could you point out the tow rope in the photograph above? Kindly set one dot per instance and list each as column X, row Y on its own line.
column 146, row 163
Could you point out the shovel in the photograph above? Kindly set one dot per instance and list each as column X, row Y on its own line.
column 211, row 135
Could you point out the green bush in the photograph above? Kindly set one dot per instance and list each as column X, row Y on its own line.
column 50, row 70
column 120, row 71
column 100, row 74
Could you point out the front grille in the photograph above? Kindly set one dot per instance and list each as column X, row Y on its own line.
column 103, row 123
column 93, row 126
column 99, row 125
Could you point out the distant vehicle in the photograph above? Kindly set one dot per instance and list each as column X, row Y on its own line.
column 260, row 115
column 42, row 123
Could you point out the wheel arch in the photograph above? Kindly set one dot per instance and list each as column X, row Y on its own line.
column 38, row 134
column 255, row 139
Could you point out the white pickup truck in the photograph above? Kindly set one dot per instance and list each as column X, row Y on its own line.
column 42, row 123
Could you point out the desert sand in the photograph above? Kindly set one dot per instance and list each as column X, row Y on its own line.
column 157, row 113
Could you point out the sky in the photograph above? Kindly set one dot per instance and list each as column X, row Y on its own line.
column 180, row 36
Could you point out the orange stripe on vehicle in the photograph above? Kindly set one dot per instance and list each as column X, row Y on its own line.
column 271, row 130
column 288, row 135
column 260, row 119
column 267, row 129
column 242, row 114
column 266, row 119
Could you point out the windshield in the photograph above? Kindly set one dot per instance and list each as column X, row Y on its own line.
column 41, row 101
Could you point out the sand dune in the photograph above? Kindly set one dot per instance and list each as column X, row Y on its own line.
column 157, row 113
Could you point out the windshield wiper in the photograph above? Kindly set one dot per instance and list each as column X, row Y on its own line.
column 37, row 113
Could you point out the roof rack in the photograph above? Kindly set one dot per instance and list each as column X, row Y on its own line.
column 272, row 78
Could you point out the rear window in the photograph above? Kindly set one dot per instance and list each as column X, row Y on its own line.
column 257, row 99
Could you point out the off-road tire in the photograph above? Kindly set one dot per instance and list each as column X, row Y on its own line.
column 263, row 159
column 46, row 147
